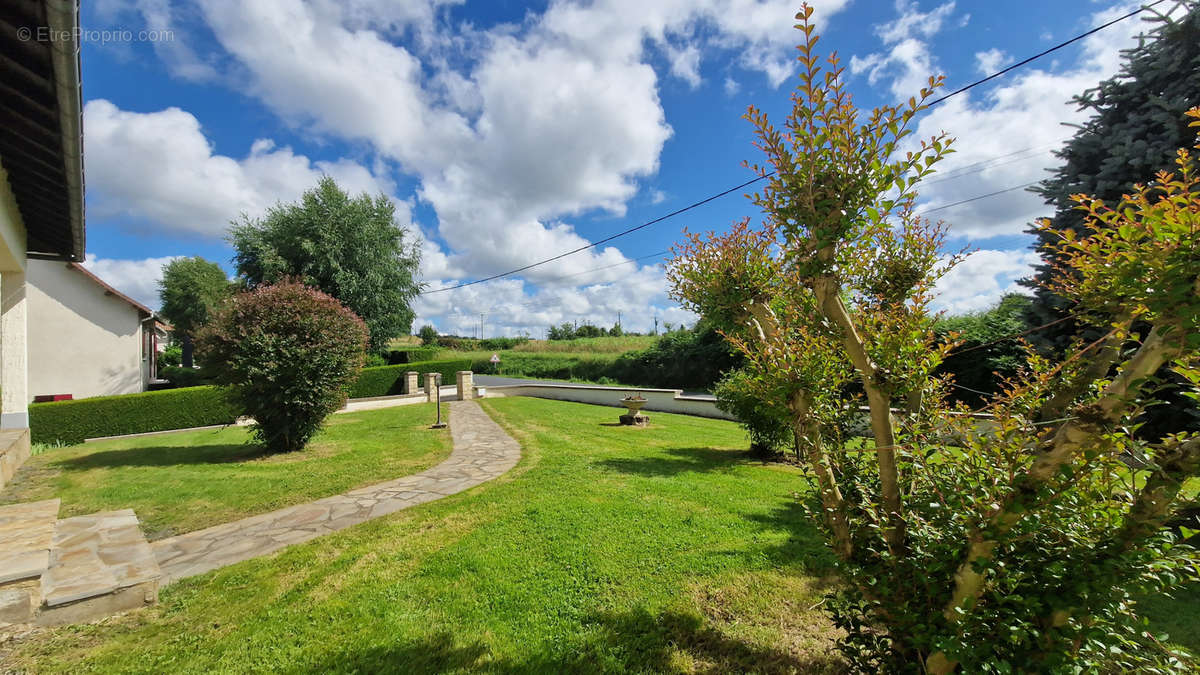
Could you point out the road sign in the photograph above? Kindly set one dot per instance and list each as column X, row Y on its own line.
column 495, row 358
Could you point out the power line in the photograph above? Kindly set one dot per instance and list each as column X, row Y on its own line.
column 772, row 173
column 1039, row 55
column 986, row 164
column 534, row 305
column 602, row 241
column 653, row 255
column 606, row 267
column 978, row 197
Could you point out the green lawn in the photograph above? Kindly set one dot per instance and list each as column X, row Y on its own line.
column 608, row 549
column 179, row 482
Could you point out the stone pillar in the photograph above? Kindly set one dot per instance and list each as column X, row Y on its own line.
column 431, row 386
column 14, row 366
column 465, row 386
column 411, row 384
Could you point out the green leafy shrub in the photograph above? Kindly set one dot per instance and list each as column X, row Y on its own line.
column 767, row 425
column 548, row 366
column 498, row 343
column 1018, row 549
column 70, row 422
column 184, row 377
column 171, row 356
column 685, row 359
column 389, row 380
column 428, row 335
column 768, row 428
column 288, row 356
column 458, row 344
column 688, row 359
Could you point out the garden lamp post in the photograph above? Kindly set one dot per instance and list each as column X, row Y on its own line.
column 437, row 385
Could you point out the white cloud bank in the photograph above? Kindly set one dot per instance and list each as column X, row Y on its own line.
column 136, row 278
column 159, row 170
column 513, row 130
column 509, row 131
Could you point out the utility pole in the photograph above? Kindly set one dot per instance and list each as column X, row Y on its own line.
column 481, row 325
column 656, row 325
column 618, row 317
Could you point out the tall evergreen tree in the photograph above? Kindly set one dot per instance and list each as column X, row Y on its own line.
column 349, row 248
column 1137, row 124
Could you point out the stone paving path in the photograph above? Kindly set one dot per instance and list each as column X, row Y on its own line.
column 482, row 451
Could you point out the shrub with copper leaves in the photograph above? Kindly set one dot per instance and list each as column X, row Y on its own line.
column 1015, row 545
column 287, row 356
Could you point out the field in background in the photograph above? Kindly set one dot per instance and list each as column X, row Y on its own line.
column 600, row 345
column 406, row 342
column 614, row 346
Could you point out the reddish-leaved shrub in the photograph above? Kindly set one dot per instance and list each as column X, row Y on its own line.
column 286, row 355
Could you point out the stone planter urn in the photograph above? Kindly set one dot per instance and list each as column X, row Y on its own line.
column 633, row 403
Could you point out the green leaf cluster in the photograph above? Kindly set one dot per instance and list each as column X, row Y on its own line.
column 289, row 355
column 349, row 248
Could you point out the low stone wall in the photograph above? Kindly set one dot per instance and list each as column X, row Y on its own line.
column 14, row 450
column 666, row 400
column 657, row 400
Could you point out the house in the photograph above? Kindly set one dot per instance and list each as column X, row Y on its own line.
column 86, row 338
column 41, row 179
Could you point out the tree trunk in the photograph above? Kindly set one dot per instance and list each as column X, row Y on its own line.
column 882, row 425
column 186, row 343
column 831, row 496
column 1151, row 508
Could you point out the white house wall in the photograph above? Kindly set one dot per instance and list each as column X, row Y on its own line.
column 82, row 341
column 12, row 230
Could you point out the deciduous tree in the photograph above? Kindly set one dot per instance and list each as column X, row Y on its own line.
column 428, row 335
column 190, row 290
column 350, row 248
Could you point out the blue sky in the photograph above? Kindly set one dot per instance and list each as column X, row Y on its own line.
column 509, row 132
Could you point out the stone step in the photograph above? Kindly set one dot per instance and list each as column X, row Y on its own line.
column 26, row 536
column 100, row 564
column 90, row 567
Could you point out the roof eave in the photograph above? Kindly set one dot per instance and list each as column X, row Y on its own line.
column 63, row 18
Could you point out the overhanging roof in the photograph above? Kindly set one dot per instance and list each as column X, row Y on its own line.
column 41, row 125
column 143, row 311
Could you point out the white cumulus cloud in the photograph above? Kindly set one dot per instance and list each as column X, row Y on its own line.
column 159, row 171
column 978, row 282
column 136, row 278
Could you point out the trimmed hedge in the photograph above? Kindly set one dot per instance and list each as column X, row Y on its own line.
column 549, row 366
column 71, row 422
column 394, row 357
column 389, row 380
